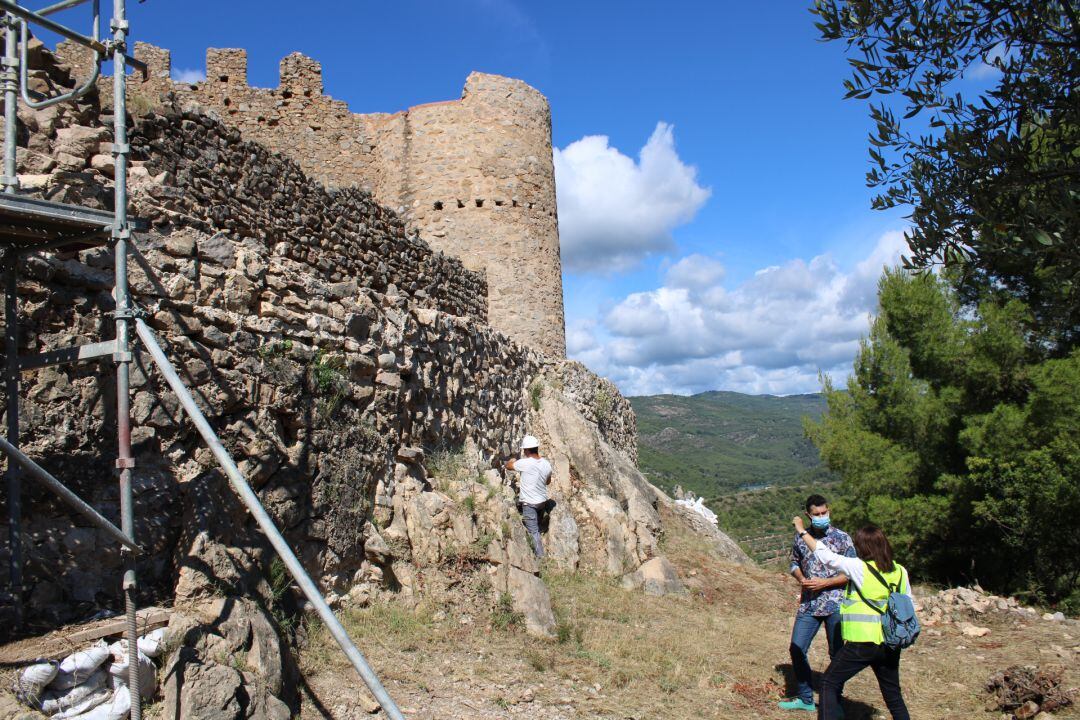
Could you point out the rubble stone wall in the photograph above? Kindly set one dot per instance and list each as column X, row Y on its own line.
column 475, row 176
column 329, row 349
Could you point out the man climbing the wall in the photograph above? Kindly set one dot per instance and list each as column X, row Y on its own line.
column 535, row 474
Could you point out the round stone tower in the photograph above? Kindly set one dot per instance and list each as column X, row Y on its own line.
column 476, row 177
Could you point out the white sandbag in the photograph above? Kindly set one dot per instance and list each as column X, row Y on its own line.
column 147, row 673
column 39, row 674
column 31, row 682
column 153, row 642
column 116, row 709
column 54, row 701
column 76, row 668
column 99, row 697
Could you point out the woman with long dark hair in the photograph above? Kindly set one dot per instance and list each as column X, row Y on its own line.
column 860, row 624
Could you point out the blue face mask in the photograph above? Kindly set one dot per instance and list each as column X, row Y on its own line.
column 821, row 523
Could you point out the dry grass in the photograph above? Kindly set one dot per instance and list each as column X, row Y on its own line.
column 715, row 654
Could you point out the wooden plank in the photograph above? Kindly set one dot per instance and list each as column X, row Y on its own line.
column 146, row 620
column 61, row 643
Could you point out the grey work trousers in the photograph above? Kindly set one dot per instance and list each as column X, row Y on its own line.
column 530, row 515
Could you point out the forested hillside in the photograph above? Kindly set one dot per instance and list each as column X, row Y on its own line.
column 717, row 443
column 760, row 520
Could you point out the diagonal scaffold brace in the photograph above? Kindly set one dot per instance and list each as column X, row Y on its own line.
column 266, row 524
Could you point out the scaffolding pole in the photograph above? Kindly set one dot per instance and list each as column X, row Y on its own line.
column 121, row 234
column 76, row 503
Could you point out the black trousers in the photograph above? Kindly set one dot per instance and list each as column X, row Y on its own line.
column 853, row 658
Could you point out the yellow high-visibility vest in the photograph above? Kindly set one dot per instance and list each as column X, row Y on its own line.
column 859, row 621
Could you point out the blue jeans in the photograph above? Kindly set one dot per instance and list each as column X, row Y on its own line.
column 806, row 627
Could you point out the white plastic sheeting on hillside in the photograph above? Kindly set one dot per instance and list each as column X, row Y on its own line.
column 698, row 506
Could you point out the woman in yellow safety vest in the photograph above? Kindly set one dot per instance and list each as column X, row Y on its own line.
column 860, row 625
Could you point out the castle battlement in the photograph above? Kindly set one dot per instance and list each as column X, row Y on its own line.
column 473, row 176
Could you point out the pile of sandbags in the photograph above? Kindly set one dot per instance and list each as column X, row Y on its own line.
column 83, row 686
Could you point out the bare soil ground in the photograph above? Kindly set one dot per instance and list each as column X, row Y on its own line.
column 719, row 653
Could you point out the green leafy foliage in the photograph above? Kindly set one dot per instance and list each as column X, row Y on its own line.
column 328, row 380
column 959, row 436
column 721, row 442
column 977, row 130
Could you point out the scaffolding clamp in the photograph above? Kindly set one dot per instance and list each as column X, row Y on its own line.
column 131, row 312
column 125, row 463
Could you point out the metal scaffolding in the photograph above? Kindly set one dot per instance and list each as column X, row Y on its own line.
column 29, row 225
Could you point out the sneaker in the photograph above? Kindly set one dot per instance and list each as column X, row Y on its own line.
column 798, row 704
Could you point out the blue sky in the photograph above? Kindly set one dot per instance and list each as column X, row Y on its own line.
column 716, row 227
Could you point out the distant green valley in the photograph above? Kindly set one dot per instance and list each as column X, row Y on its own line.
column 745, row 454
column 718, row 443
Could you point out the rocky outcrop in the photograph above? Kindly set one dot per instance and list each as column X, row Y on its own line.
column 656, row 577
column 228, row 663
column 610, row 515
column 721, row 545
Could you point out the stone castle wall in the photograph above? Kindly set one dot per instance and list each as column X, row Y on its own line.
column 330, row 350
column 475, row 176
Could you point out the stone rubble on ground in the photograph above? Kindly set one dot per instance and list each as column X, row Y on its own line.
column 958, row 606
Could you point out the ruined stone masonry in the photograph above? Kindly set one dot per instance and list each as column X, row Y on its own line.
column 347, row 365
column 474, row 176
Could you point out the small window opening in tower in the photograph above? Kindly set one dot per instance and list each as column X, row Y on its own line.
column 438, row 204
column 479, row 202
column 223, row 78
column 460, row 204
column 498, row 203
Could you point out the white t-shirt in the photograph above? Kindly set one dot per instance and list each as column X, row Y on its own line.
column 532, row 487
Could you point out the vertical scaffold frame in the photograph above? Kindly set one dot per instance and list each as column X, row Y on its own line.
column 30, row 225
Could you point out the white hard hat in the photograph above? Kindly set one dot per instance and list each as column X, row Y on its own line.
column 529, row 443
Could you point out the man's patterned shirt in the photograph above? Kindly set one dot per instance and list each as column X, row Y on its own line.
column 825, row 602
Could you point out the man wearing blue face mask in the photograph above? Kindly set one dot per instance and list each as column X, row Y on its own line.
column 819, row 603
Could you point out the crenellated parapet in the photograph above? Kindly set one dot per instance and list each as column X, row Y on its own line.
column 474, row 176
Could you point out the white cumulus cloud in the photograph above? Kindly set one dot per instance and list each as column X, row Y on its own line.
column 184, row 75
column 613, row 211
column 773, row 333
column 695, row 272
